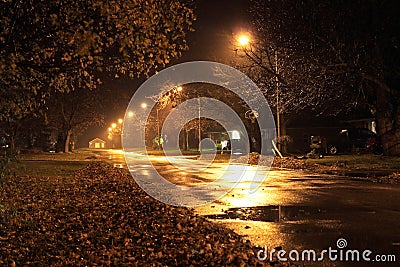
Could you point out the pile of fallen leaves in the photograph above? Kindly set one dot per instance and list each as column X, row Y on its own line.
column 337, row 168
column 257, row 159
column 290, row 163
column 295, row 163
column 287, row 163
column 254, row 158
column 393, row 178
column 101, row 217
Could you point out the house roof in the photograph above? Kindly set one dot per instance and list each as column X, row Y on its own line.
column 97, row 140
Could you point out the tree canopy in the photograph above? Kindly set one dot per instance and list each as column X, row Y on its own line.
column 61, row 46
column 334, row 55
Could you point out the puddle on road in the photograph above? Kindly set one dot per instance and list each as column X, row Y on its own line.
column 271, row 213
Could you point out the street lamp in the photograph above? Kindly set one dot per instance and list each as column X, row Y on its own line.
column 130, row 114
column 278, row 115
column 119, row 132
column 158, row 129
column 199, row 122
column 244, row 41
column 143, row 105
column 176, row 90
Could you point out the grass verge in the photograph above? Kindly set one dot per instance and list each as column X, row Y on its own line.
column 360, row 162
column 50, row 164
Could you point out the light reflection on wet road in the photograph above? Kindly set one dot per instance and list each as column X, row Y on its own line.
column 300, row 211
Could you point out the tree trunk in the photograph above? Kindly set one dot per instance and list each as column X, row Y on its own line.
column 67, row 140
column 388, row 122
column 12, row 143
column 186, row 140
column 391, row 143
column 283, row 134
column 13, row 135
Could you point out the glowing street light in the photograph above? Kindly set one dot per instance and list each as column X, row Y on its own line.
column 109, row 129
column 130, row 114
column 114, row 125
column 177, row 89
column 120, row 121
column 143, row 105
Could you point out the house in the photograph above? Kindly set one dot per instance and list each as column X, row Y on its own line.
column 97, row 143
column 329, row 128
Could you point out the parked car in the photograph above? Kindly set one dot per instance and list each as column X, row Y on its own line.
column 3, row 142
column 318, row 145
column 355, row 139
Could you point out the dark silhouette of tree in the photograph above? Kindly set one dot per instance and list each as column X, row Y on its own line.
column 334, row 56
column 56, row 46
column 169, row 99
column 70, row 114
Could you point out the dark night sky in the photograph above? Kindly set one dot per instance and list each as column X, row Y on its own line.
column 217, row 23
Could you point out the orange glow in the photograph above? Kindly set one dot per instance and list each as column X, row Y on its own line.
column 244, row 39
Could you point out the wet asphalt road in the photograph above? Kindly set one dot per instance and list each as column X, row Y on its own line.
column 296, row 210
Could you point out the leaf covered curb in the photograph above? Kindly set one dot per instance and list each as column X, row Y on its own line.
column 101, row 217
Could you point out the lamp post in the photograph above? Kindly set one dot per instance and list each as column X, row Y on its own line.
column 143, row 106
column 161, row 101
column 199, row 115
column 244, row 41
column 278, row 115
column 158, row 130
column 120, row 121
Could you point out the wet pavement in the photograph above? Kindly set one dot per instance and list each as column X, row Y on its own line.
column 296, row 210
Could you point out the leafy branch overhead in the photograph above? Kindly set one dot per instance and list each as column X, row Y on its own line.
column 333, row 57
column 48, row 42
column 62, row 46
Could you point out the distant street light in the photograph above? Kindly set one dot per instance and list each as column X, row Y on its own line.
column 143, row 105
column 120, row 121
column 113, row 125
column 130, row 114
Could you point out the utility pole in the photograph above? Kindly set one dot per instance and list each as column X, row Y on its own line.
column 199, row 122
column 158, row 130
column 278, row 119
